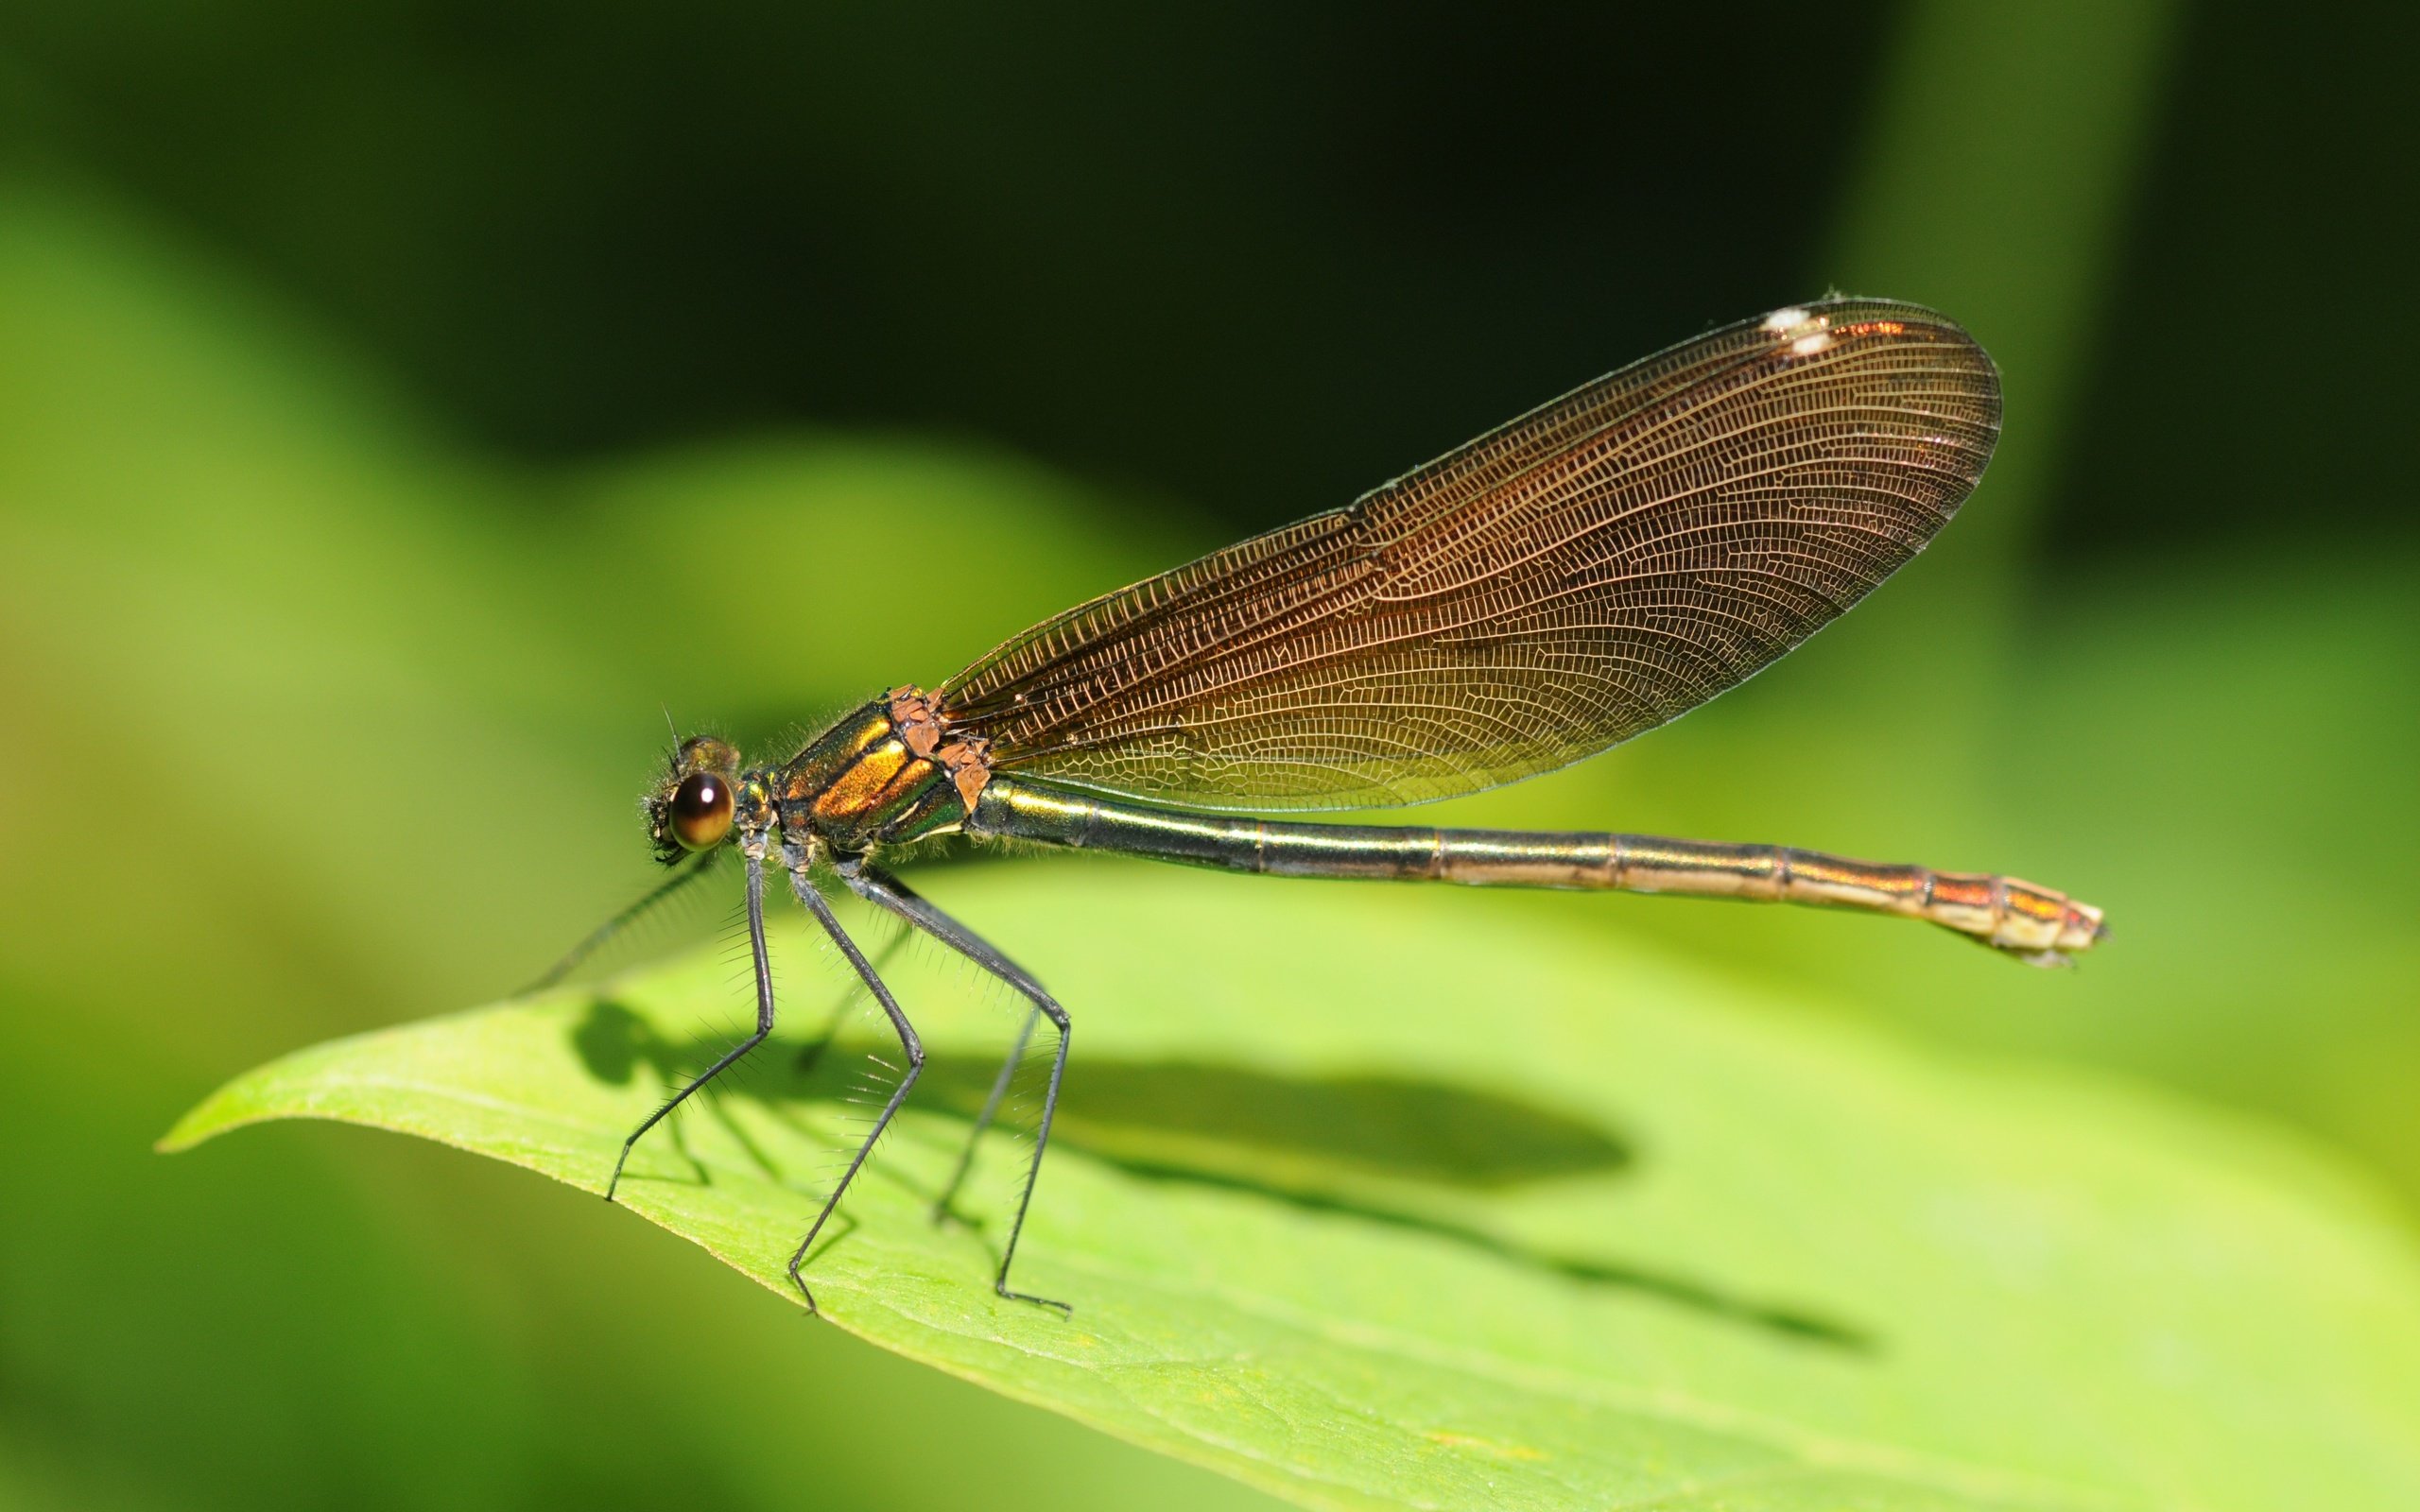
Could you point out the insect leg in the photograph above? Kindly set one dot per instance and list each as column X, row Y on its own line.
column 703, row 863
column 913, row 1047
column 811, row 1053
column 983, row 1119
column 881, row 888
column 764, row 1010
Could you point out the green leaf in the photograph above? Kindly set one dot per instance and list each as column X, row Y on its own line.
column 1393, row 1195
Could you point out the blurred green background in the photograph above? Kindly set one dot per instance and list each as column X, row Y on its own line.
column 400, row 402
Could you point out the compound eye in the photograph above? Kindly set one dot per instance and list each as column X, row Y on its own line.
column 700, row 811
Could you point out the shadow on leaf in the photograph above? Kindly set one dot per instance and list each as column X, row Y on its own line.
column 1381, row 1149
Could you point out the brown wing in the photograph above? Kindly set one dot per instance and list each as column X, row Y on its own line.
column 1588, row 572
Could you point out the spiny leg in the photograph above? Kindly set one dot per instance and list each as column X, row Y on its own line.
column 880, row 887
column 764, row 1008
column 703, row 863
column 795, row 857
column 983, row 1119
column 811, row 1053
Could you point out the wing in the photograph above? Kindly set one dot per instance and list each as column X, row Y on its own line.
column 1589, row 571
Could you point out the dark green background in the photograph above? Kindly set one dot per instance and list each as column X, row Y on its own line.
column 399, row 401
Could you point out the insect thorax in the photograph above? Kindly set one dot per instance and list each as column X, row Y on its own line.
column 888, row 772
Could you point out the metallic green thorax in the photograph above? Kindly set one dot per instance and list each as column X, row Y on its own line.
column 865, row 782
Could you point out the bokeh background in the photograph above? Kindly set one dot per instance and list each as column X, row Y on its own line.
column 400, row 403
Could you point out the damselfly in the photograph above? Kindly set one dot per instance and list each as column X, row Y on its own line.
column 1588, row 572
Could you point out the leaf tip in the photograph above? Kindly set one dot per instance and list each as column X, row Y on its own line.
column 187, row 1132
column 208, row 1119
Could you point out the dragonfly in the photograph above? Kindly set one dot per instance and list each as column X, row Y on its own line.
column 1588, row 572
